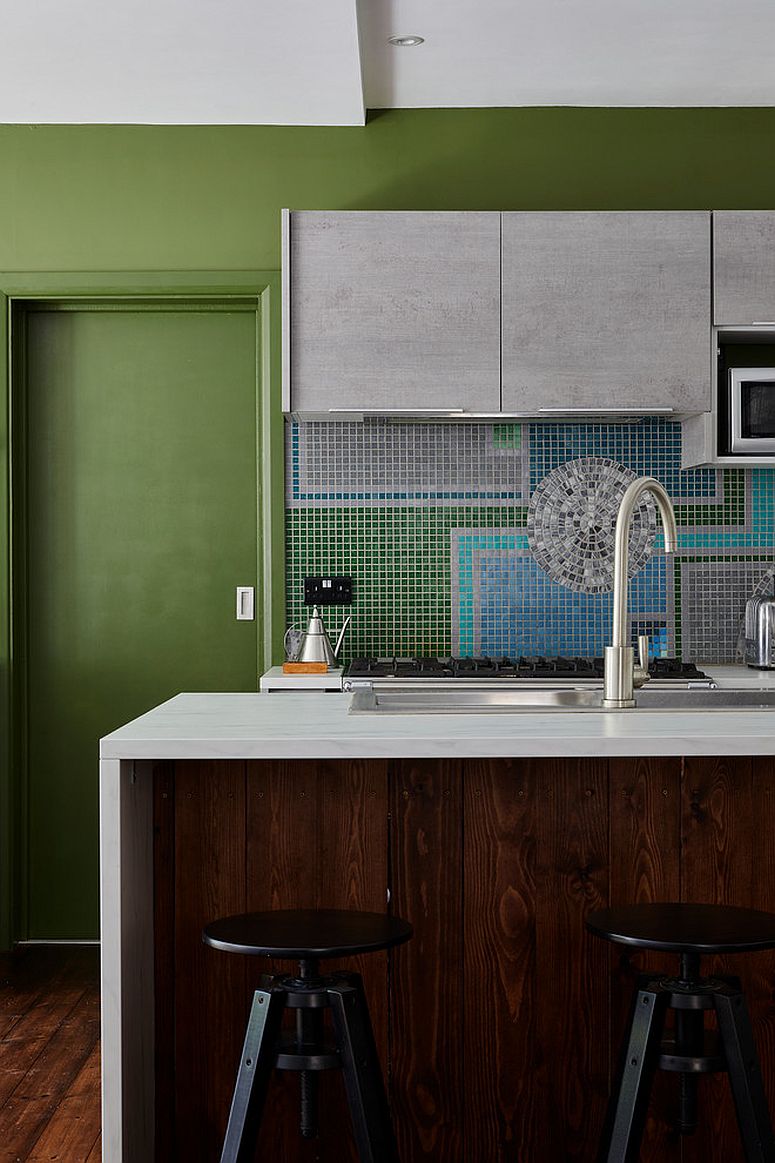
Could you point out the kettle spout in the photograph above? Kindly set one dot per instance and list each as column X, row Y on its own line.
column 347, row 621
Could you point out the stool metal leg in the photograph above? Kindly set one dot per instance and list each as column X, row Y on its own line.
column 745, row 1075
column 627, row 1109
column 362, row 1074
column 258, row 1058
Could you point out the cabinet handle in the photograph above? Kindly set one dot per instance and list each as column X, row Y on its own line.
column 608, row 411
column 398, row 411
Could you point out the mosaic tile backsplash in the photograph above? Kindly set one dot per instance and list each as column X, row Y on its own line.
column 498, row 538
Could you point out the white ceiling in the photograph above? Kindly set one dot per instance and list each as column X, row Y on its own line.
column 297, row 62
column 201, row 62
column 570, row 52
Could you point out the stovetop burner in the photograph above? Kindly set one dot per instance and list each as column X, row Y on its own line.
column 536, row 667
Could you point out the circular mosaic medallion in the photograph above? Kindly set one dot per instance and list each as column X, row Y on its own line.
column 571, row 522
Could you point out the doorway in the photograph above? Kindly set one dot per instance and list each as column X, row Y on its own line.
column 135, row 517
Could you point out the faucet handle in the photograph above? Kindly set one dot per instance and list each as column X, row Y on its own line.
column 643, row 651
column 640, row 673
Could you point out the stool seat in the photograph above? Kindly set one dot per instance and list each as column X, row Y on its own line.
column 306, row 933
column 309, row 936
column 686, row 1047
column 686, row 928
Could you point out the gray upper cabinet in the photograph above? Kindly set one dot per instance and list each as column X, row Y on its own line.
column 743, row 267
column 606, row 310
column 394, row 310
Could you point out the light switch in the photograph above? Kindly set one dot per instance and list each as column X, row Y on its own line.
column 246, row 604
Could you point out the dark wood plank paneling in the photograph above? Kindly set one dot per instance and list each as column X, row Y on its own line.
column 496, row 864
column 505, row 1108
column 760, row 967
column 353, row 864
column 317, row 838
column 164, row 957
column 426, row 975
column 282, row 871
column 209, row 986
column 353, row 874
column 718, row 827
column 645, row 824
column 571, row 966
column 282, row 836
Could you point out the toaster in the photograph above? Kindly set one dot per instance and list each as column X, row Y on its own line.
column 760, row 633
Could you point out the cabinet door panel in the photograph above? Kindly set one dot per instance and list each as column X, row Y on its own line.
column 606, row 310
column 392, row 310
column 743, row 266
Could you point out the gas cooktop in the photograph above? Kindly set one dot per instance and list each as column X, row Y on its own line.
column 530, row 668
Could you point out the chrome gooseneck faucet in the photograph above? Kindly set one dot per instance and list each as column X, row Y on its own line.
column 618, row 679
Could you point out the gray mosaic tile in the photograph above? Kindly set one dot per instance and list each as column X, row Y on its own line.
column 713, row 597
column 382, row 463
column 571, row 522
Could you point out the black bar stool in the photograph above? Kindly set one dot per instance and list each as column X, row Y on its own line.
column 309, row 936
column 691, row 931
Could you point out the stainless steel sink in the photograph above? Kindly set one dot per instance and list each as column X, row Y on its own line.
column 445, row 701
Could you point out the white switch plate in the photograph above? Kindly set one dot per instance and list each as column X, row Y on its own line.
column 246, row 604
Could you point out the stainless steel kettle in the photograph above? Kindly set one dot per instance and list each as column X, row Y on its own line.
column 759, row 647
column 315, row 645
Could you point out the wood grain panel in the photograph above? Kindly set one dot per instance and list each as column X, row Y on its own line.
column 282, row 871
column 645, row 825
column 504, row 1013
column 717, row 832
column 426, row 975
column 759, row 977
column 571, row 966
column 209, row 986
column 164, row 957
column 353, row 865
column 317, row 838
column 505, row 1109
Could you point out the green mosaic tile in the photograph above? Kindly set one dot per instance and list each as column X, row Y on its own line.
column 507, row 435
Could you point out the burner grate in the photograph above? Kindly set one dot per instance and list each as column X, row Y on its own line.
column 532, row 667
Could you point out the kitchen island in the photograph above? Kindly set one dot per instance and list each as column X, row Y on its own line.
column 493, row 834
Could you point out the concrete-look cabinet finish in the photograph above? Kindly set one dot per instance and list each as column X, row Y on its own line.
column 391, row 311
column 606, row 311
column 519, row 313
column 743, row 267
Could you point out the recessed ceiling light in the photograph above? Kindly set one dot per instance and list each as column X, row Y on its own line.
column 406, row 41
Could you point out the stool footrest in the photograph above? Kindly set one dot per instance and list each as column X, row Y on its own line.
column 710, row 1061
column 690, row 1051
column 290, row 1057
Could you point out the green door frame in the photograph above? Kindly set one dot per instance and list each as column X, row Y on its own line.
column 124, row 288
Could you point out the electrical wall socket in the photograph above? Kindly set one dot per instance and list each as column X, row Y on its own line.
column 328, row 591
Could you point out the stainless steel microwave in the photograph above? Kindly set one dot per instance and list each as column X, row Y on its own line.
column 752, row 410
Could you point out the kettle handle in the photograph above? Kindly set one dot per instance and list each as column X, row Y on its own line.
column 346, row 623
column 288, row 632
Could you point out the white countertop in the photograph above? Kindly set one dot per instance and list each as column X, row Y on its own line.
column 315, row 724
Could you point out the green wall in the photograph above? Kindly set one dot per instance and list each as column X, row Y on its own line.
column 134, row 198
column 140, row 197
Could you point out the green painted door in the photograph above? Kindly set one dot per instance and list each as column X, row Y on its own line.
column 141, row 519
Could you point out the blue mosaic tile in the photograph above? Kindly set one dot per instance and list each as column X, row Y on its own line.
column 648, row 446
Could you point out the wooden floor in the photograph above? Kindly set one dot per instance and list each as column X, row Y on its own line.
column 49, row 1055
